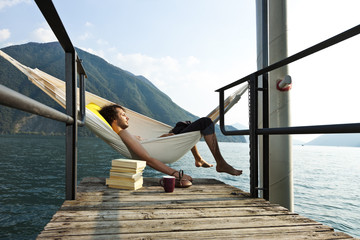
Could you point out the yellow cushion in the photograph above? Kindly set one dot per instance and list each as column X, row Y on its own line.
column 95, row 109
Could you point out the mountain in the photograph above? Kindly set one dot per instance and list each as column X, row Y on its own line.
column 348, row 140
column 239, row 126
column 296, row 141
column 104, row 79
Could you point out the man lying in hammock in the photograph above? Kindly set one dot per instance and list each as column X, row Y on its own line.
column 115, row 115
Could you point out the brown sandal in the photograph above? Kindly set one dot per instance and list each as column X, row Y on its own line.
column 180, row 182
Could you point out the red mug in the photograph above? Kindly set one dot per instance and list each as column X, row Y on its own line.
column 168, row 183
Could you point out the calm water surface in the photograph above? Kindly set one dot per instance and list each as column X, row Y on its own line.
column 326, row 180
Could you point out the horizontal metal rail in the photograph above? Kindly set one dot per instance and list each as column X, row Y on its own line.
column 13, row 99
column 333, row 128
column 317, row 129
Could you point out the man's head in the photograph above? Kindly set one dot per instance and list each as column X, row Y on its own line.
column 115, row 113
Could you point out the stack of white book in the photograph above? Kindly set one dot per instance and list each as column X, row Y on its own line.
column 126, row 174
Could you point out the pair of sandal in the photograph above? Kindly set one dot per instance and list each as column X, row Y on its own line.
column 181, row 182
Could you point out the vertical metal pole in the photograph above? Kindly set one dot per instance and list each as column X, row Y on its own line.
column 280, row 147
column 266, row 163
column 265, row 99
column 254, row 181
column 263, row 109
column 71, row 129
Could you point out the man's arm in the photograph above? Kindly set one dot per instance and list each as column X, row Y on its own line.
column 134, row 145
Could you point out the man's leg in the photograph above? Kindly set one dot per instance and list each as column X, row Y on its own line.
column 221, row 164
column 206, row 126
column 199, row 161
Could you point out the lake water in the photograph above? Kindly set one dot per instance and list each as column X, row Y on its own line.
column 326, row 180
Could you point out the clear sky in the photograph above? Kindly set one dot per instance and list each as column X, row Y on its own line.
column 188, row 49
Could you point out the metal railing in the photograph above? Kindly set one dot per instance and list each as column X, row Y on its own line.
column 73, row 67
column 13, row 99
column 254, row 131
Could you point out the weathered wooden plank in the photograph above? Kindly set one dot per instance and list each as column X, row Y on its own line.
column 250, row 234
column 67, row 206
column 159, row 190
column 111, row 215
column 286, row 232
column 208, row 235
column 162, row 198
column 159, row 197
column 168, row 225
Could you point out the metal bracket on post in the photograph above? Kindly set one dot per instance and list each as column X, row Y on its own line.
column 82, row 75
column 221, row 109
column 284, row 84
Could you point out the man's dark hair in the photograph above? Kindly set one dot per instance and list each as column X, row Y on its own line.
column 109, row 112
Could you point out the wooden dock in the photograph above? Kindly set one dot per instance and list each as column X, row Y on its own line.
column 208, row 210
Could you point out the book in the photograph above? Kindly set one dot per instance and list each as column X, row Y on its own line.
column 127, row 163
column 126, row 170
column 125, row 175
column 125, row 187
column 120, row 179
column 120, row 184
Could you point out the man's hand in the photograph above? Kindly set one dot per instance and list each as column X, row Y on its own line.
column 185, row 176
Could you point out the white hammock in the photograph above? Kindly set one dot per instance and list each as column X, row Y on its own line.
column 166, row 149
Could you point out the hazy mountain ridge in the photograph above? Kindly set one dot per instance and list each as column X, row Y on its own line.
column 104, row 79
column 341, row 140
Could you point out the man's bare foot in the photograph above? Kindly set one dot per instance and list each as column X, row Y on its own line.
column 202, row 163
column 226, row 168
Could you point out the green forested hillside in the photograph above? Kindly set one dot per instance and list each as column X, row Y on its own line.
column 104, row 79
